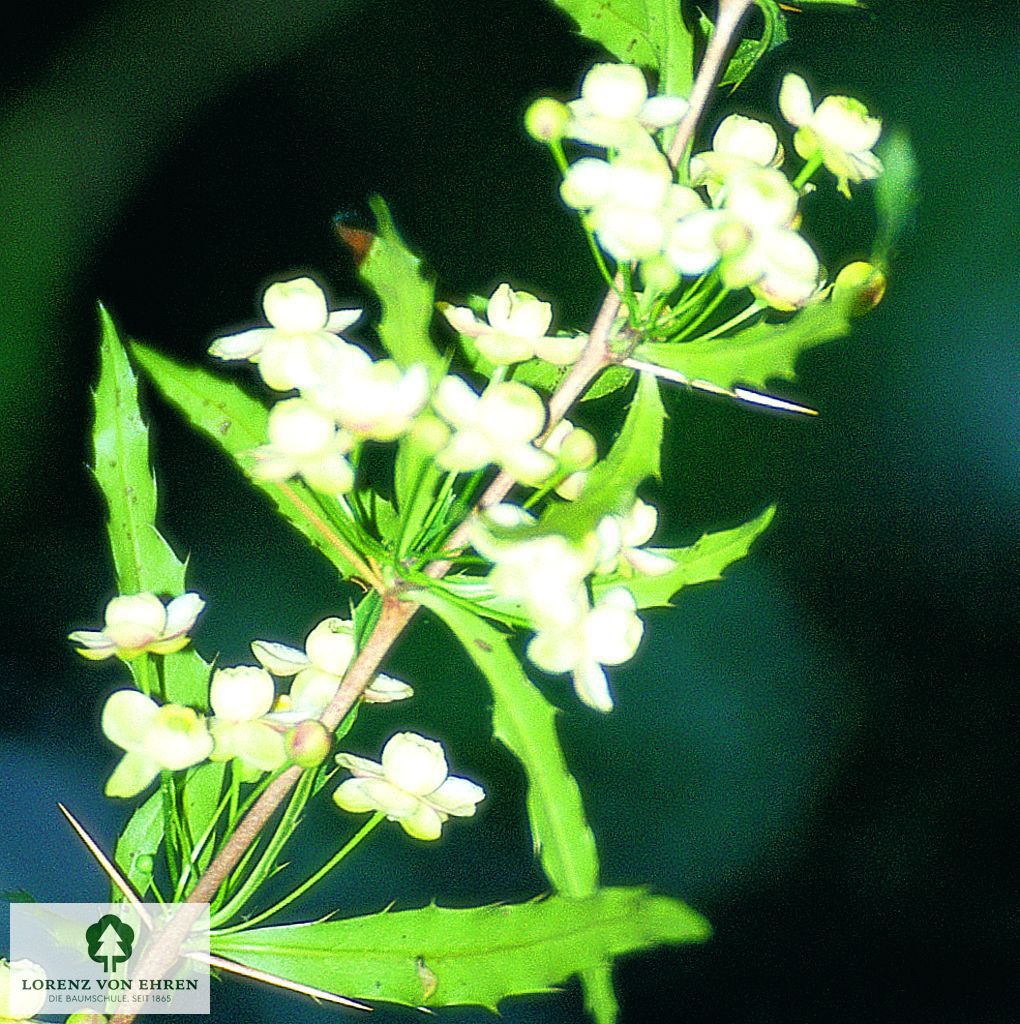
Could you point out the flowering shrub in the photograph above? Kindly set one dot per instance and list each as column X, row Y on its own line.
column 502, row 519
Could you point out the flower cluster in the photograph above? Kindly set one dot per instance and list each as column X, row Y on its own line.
column 250, row 725
column 738, row 213
column 344, row 396
column 546, row 578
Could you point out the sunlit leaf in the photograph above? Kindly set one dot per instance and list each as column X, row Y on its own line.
column 236, row 422
column 406, row 294
column 478, row 957
column 525, row 723
column 701, row 562
column 754, row 355
column 749, row 51
column 143, row 560
column 650, row 33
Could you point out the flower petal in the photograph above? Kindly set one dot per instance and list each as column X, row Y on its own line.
column 127, row 716
column 795, row 100
column 279, row 659
column 457, row 796
column 415, row 764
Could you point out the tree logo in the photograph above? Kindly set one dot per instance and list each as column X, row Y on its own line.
column 110, row 941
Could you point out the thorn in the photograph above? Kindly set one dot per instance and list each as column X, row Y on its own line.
column 272, row 979
column 106, row 864
column 768, row 401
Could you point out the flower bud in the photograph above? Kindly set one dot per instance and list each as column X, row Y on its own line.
column 578, row 451
column 330, row 645
column 308, row 744
column 659, row 275
column 859, row 288
column 546, row 120
column 296, row 306
column 145, row 864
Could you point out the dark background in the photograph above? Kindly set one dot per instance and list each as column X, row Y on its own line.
column 816, row 752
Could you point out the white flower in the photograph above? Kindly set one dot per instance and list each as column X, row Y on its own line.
column 319, row 670
column 304, row 441
column 839, row 129
column 631, row 201
column 170, row 737
column 375, row 400
column 739, row 142
column 411, row 785
column 241, row 698
column 302, row 337
column 496, row 427
column 608, row 634
column 615, row 111
column 135, row 623
column 18, row 1003
column 750, row 236
column 545, row 574
column 516, row 330
column 622, row 537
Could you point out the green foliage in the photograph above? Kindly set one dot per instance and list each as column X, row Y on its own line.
column 200, row 802
column 236, row 422
column 895, row 192
column 701, row 562
column 525, row 723
column 650, row 33
column 139, row 842
column 612, row 484
column 406, row 294
column 749, row 51
column 480, row 956
column 754, row 355
column 143, row 560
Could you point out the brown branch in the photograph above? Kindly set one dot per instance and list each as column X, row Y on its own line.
column 396, row 614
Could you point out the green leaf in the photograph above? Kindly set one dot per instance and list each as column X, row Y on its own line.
column 143, row 560
column 832, row 3
column 187, row 678
column 612, row 484
column 203, row 787
column 141, row 838
column 236, row 422
column 895, row 192
column 537, row 373
column 754, row 355
column 749, row 51
column 525, row 723
column 479, row 956
column 702, row 562
column 406, row 293
column 651, row 33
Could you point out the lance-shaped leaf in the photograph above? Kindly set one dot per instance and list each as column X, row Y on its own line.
column 525, row 723
column 754, row 355
column 406, row 294
column 701, row 562
column 142, row 558
column 651, row 33
column 895, row 192
column 236, row 422
column 478, row 957
column 612, row 484
column 200, row 802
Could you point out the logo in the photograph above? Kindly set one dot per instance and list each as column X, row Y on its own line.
column 110, row 941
